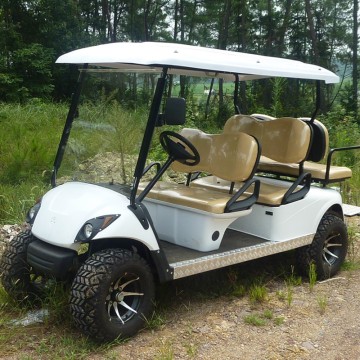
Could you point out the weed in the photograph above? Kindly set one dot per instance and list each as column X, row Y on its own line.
column 67, row 347
column 352, row 262
column 322, row 302
column 239, row 291
column 312, row 276
column 156, row 321
column 260, row 319
column 191, row 350
column 293, row 279
column 257, row 293
column 268, row 314
column 56, row 301
column 166, row 351
column 286, row 295
column 281, row 295
column 349, row 265
column 289, row 295
column 254, row 319
column 279, row 320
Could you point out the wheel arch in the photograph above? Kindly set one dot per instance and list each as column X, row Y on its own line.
column 336, row 210
column 155, row 258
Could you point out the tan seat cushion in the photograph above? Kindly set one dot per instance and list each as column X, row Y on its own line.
column 270, row 194
column 201, row 198
column 317, row 171
column 285, row 143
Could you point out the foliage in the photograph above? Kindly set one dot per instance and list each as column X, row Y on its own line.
column 30, row 134
column 29, row 137
column 35, row 33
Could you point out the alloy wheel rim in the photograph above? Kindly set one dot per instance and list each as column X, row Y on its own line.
column 124, row 298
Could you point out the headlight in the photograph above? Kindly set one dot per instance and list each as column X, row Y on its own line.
column 94, row 226
column 88, row 230
column 31, row 215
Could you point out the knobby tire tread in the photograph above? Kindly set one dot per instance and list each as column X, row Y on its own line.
column 313, row 252
column 85, row 290
column 14, row 268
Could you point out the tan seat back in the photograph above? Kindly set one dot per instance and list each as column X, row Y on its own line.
column 247, row 124
column 285, row 139
column 231, row 157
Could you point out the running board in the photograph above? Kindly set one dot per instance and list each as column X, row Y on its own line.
column 200, row 263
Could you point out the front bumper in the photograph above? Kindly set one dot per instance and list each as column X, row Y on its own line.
column 52, row 261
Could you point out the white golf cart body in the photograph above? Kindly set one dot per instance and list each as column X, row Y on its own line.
column 182, row 239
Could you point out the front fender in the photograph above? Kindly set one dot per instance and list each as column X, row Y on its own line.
column 66, row 208
column 128, row 226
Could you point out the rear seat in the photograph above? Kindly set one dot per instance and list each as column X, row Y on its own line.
column 318, row 150
column 284, row 140
column 233, row 157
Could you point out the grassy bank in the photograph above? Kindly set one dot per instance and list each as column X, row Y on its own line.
column 29, row 138
column 30, row 134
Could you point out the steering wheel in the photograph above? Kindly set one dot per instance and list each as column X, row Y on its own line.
column 177, row 150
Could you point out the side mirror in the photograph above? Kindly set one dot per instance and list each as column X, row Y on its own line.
column 175, row 111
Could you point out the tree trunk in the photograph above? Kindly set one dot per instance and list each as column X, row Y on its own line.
column 313, row 37
column 315, row 48
column 355, row 59
column 222, row 43
column 283, row 28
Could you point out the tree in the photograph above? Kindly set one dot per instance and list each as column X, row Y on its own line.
column 355, row 45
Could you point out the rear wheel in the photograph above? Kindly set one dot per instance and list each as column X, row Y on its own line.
column 17, row 277
column 328, row 249
column 112, row 294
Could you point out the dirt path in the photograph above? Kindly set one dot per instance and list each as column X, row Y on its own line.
column 322, row 324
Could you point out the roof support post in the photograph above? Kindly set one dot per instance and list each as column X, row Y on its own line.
column 68, row 125
column 151, row 123
column 318, row 100
column 236, row 95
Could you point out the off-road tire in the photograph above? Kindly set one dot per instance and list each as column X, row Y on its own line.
column 16, row 275
column 327, row 250
column 95, row 290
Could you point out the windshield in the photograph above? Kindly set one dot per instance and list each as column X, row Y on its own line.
column 106, row 134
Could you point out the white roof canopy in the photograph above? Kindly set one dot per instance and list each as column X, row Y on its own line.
column 194, row 60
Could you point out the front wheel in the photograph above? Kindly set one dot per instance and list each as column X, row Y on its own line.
column 328, row 249
column 17, row 277
column 112, row 294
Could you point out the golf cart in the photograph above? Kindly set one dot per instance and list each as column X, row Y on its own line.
column 255, row 189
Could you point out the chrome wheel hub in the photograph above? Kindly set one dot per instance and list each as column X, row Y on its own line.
column 124, row 298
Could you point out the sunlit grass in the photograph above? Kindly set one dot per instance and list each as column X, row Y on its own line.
column 29, row 138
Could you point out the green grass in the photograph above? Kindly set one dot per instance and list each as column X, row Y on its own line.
column 56, row 335
column 29, row 138
column 255, row 320
column 16, row 200
column 31, row 132
column 257, row 293
column 322, row 302
column 165, row 351
column 263, row 319
column 312, row 276
column 156, row 321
